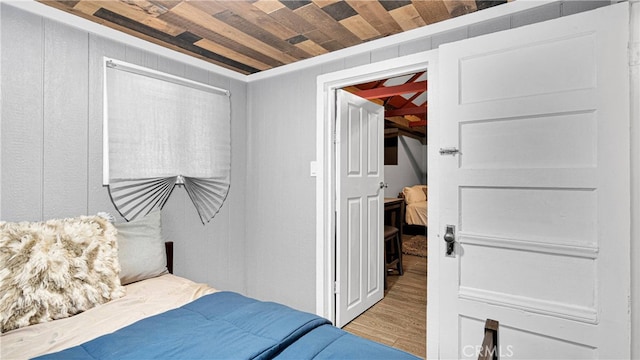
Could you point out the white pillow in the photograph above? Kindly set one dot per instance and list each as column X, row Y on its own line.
column 141, row 249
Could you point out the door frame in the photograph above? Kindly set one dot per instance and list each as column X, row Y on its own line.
column 325, row 180
column 634, row 91
column 325, row 165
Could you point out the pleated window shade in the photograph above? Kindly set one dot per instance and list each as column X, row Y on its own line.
column 161, row 130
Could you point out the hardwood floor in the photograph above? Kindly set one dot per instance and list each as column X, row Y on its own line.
column 399, row 319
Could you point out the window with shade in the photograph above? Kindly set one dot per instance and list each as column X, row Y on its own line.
column 161, row 131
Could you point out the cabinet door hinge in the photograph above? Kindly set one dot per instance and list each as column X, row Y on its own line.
column 336, row 287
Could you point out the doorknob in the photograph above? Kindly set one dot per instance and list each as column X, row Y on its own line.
column 450, row 239
column 383, row 185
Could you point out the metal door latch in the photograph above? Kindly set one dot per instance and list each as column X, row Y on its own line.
column 450, row 239
column 449, row 151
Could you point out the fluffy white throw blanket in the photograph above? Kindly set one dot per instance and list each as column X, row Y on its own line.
column 55, row 269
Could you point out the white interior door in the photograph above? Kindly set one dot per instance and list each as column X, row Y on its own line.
column 360, row 206
column 539, row 191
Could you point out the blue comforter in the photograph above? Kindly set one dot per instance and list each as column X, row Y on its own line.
column 227, row 325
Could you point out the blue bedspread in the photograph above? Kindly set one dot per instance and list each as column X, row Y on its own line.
column 227, row 325
column 329, row 342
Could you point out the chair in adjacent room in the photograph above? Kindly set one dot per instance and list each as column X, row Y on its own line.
column 392, row 251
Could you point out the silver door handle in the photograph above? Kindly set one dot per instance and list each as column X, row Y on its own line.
column 450, row 239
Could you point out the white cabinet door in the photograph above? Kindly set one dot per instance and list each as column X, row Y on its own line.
column 360, row 164
column 539, row 191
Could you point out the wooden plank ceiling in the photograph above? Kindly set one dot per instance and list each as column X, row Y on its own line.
column 255, row 35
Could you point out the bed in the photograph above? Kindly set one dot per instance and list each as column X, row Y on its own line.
column 415, row 199
column 155, row 314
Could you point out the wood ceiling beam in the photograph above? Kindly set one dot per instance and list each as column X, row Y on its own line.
column 398, row 120
column 403, row 129
column 393, row 90
column 416, row 110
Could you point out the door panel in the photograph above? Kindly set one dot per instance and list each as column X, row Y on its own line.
column 570, row 59
column 539, row 192
column 549, row 216
column 530, row 142
column 359, row 256
column 530, row 343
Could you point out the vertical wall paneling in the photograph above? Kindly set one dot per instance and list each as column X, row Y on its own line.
column 280, row 193
column 22, row 115
column 237, row 200
column 65, row 120
column 99, row 47
column 52, row 109
column 634, row 41
column 204, row 244
column 264, row 180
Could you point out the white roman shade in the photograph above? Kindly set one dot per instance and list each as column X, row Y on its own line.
column 162, row 130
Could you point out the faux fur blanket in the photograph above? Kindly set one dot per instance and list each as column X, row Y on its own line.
column 55, row 269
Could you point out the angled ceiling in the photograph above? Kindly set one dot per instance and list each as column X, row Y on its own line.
column 255, row 35
column 405, row 102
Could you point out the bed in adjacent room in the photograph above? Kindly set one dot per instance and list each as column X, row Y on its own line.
column 415, row 199
column 86, row 288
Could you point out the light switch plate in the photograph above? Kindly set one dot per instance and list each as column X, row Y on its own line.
column 313, row 168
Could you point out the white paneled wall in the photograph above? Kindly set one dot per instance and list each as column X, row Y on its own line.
column 411, row 168
column 51, row 158
column 22, row 138
column 280, row 241
column 281, row 230
column 263, row 240
column 65, row 120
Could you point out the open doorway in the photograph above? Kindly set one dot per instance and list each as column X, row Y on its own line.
column 326, row 181
column 399, row 318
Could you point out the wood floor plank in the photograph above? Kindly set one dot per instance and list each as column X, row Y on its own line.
column 399, row 319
